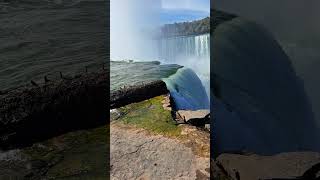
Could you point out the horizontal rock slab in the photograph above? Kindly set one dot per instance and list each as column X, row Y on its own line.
column 140, row 92
column 294, row 165
column 40, row 111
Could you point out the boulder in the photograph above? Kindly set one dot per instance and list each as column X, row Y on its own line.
column 197, row 118
column 293, row 165
column 207, row 127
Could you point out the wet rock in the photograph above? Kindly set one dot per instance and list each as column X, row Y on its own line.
column 65, row 105
column 166, row 103
column 293, row 165
column 149, row 114
column 197, row 118
column 114, row 114
column 137, row 93
column 218, row 171
column 207, row 127
column 201, row 176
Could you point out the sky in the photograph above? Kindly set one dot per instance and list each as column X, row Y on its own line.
column 132, row 23
column 195, row 5
column 183, row 10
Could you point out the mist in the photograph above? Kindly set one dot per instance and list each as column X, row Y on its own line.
column 132, row 27
column 295, row 25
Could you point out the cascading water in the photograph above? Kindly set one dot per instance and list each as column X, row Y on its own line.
column 176, row 48
column 187, row 90
column 193, row 52
column 133, row 29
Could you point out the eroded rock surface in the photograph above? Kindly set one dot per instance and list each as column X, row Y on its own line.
column 137, row 154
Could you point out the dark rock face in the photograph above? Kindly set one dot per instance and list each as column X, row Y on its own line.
column 261, row 105
column 289, row 166
column 34, row 113
column 196, row 118
column 219, row 17
column 137, row 93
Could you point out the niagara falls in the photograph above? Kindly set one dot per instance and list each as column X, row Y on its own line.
column 160, row 86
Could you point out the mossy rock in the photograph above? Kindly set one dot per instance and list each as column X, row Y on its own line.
column 76, row 155
column 150, row 115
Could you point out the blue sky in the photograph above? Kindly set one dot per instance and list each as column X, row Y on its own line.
column 184, row 10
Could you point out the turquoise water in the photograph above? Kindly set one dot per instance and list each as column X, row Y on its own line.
column 184, row 66
column 187, row 90
column 184, row 85
column 189, row 51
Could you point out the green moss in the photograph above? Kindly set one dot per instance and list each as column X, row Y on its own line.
column 80, row 154
column 150, row 115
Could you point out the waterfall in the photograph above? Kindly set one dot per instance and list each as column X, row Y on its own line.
column 175, row 48
column 187, row 90
column 190, row 51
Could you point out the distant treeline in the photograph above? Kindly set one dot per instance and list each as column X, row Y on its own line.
column 186, row 28
column 195, row 27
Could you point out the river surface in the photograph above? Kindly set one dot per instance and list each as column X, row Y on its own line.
column 183, row 64
column 124, row 73
column 47, row 40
